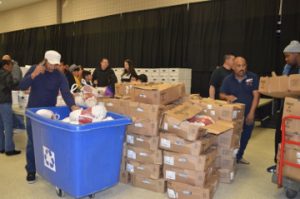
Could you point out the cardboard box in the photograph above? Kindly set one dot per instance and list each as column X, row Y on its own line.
column 278, row 86
column 149, row 184
column 160, row 94
column 264, row 85
column 145, row 142
column 293, row 136
column 292, row 153
column 292, row 107
column 124, row 177
column 191, row 177
column 227, row 175
column 177, row 190
column 227, row 152
column 225, row 162
column 144, row 156
column 228, row 140
column 171, row 142
column 145, row 127
column 138, row 110
column 294, row 83
column 175, row 121
column 115, row 105
column 152, row 171
column 222, row 110
column 185, row 161
column 124, row 90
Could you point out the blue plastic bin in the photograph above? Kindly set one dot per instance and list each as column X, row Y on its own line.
column 79, row 159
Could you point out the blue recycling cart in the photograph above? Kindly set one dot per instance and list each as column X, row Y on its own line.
column 79, row 160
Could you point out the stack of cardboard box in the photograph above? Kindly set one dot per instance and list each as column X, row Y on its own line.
column 231, row 115
column 280, row 86
column 190, row 153
column 145, row 104
column 291, row 151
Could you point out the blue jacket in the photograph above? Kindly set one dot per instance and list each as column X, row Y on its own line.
column 45, row 88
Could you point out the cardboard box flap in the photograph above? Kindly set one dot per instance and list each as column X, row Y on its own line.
column 154, row 86
column 184, row 111
column 218, row 127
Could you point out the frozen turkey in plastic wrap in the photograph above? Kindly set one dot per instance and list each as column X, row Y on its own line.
column 96, row 113
column 201, row 120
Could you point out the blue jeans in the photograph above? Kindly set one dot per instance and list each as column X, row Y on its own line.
column 30, row 160
column 245, row 137
column 6, row 127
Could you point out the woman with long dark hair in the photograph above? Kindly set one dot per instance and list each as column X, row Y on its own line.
column 129, row 71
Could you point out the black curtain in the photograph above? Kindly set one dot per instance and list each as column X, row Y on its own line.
column 290, row 26
column 194, row 36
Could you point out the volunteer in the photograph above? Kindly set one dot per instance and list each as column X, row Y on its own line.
column 104, row 76
column 87, row 78
column 292, row 58
column 76, row 71
column 242, row 87
column 219, row 75
column 129, row 72
column 16, row 70
column 45, row 82
column 7, row 83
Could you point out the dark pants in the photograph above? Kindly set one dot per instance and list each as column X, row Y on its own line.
column 246, row 135
column 278, row 133
column 30, row 160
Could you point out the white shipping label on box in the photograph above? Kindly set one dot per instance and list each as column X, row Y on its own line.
column 232, row 175
column 171, row 193
column 165, row 143
column 130, row 139
column 140, row 125
column 234, row 114
column 130, row 168
column 170, row 175
column 169, row 160
column 166, row 126
column 143, row 154
column 131, row 154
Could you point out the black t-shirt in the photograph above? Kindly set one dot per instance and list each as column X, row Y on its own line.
column 217, row 78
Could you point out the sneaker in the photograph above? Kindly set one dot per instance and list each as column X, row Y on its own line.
column 11, row 153
column 2, row 151
column 31, row 178
column 242, row 161
column 272, row 169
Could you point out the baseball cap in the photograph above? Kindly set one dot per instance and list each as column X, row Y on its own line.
column 74, row 67
column 52, row 57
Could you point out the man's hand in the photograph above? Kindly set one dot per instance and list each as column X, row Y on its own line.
column 74, row 108
column 250, row 118
column 37, row 71
column 231, row 98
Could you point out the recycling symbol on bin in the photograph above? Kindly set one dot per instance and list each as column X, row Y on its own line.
column 49, row 159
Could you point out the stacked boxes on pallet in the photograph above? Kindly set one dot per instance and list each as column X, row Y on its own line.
column 145, row 104
column 228, row 142
column 291, row 151
column 190, row 154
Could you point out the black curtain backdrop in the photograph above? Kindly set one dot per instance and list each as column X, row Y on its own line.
column 290, row 28
column 194, row 36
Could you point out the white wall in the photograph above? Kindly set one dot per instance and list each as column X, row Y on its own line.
column 75, row 10
column 45, row 12
column 34, row 15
